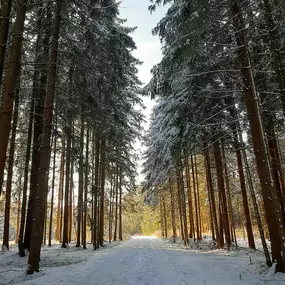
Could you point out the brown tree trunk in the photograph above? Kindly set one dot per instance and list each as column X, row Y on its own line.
column 44, row 233
column 211, row 215
column 112, row 188
column 269, row 127
column 71, row 183
column 120, row 208
column 13, row 70
column 60, row 192
column 279, row 158
column 95, row 191
column 277, row 162
column 52, row 190
column 221, row 187
column 45, row 227
column 10, row 173
column 195, row 197
column 92, row 187
column 161, row 217
column 180, row 184
column 99, row 205
column 85, row 189
column 70, row 213
column 173, row 218
column 190, row 202
column 116, row 204
column 165, row 217
column 69, row 230
column 35, row 249
column 102, row 194
column 229, row 200
column 80, row 184
column 179, row 206
column 198, row 199
column 212, row 195
column 269, row 193
column 230, row 208
column 38, row 124
column 18, row 210
column 237, row 145
column 67, row 184
column 250, row 237
column 254, row 201
column 26, row 178
column 39, row 80
column 4, row 32
column 221, row 222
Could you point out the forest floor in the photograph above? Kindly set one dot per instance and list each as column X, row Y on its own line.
column 141, row 261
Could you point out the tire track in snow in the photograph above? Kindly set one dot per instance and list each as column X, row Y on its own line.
column 168, row 272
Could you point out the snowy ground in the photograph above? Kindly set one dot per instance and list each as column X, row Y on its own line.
column 140, row 261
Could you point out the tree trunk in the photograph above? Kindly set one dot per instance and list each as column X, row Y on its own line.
column 235, row 127
column 86, row 189
column 60, row 192
column 112, row 187
column 26, row 178
column 102, row 193
column 80, row 184
column 95, row 191
column 161, row 217
column 34, row 257
column 70, row 213
column 269, row 127
column 212, row 195
column 13, row 70
column 4, row 31
column 195, row 197
column 18, row 210
column 173, row 218
column 46, row 183
column 52, row 190
column 211, row 214
column 180, row 184
column 120, row 209
column 179, row 207
column 39, row 80
column 229, row 201
column 190, row 202
column 198, row 199
column 116, row 204
column 45, row 227
column 277, row 166
column 254, row 201
column 67, row 184
column 165, row 217
column 10, row 172
column 221, row 187
column 99, row 205
column 250, row 237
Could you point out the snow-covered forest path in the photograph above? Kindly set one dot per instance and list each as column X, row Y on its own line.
column 151, row 261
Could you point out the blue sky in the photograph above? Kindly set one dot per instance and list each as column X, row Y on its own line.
column 148, row 46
